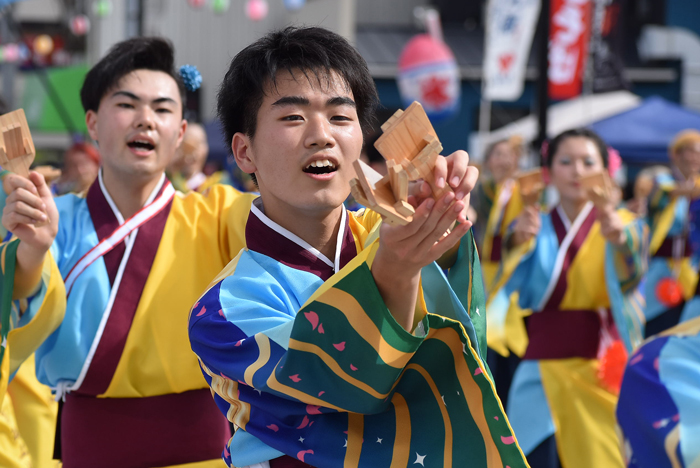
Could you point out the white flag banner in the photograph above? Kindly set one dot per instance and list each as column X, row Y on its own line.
column 510, row 27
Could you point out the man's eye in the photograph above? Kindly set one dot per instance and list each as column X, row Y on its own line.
column 164, row 110
column 292, row 118
column 589, row 162
column 125, row 105
column 341, row 118
column 564, row 161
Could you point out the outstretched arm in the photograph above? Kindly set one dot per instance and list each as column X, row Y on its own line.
column 404, row 250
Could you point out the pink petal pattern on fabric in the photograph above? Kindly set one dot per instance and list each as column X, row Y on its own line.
column 676, row 418
column 478, row 371
column 303, row 453
column 201, row 312
column 636, row 359
column 496, row 418
column 313, row 409
column 226, row 452
column 221, row 312
column 656, row 364
column 239, row 342
column 339, row 346
column 321, row 392
column 273, row 427
column 225, row 376
column 320, row 329
column 353, row 367
column 304, row 423
column 295, row 378
column 508, row 440
column 312, row 317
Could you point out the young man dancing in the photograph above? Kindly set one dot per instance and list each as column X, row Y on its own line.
column 333, row 340
column 110, row 277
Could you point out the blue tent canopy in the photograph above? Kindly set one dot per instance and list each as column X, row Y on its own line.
column 642, row 135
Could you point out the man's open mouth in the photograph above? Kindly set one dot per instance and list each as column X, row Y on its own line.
column 323, row 166
column 141, row 145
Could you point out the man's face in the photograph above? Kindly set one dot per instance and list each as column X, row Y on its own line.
column 308, row 135
column 138, row 124
column 688, row 160
column 502, row 162
column 194, row 150
column 79, row 170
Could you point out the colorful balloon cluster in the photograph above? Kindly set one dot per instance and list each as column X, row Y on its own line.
column 255, row 10
column 14, row 53
column 217, row 6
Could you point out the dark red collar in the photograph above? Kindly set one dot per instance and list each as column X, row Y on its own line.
column 269, row 238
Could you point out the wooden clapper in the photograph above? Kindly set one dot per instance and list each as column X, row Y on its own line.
column 531, row 184
column 410, row 146
column 599, row 188
column 16, row 145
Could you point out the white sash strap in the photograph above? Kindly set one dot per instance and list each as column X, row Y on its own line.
column 563, row 248
column 503, row 199
column 129, row 226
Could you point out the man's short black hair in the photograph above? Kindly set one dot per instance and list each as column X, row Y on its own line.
column 577, row 132
column 314, row 51
column 138, row 53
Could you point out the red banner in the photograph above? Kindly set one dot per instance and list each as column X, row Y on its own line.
column 570, row 29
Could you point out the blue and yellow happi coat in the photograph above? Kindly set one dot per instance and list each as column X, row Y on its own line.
column 668, row 219
column 659, row 408
column 564, row 396
column 305, row 359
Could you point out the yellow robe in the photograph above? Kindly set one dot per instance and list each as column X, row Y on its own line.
column 510, row 334
column 201, row 235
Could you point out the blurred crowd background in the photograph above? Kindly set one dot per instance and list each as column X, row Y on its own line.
column 634, row 66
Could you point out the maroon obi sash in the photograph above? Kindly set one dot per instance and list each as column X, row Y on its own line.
column 141, row 432
column 666, row 249
column 288, row 462
column 561, row 334
column 496, row 248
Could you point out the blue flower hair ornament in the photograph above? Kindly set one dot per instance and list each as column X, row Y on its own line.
column 191, row 77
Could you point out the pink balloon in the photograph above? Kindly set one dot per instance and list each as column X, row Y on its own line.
column 80, row 25
column 11, row 52
column 256, row 9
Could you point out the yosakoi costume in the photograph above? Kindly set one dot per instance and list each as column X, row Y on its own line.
column 659, row 407
column 27, row 417
column 581, row 291
column 304, row 358
column 670, row 254
column 505, row 329
column 199, row 182
column 111, row 317
column 35, row 412
column 482, row 199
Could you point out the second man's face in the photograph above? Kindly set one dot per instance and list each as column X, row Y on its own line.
column 308, row 135
column 139, row 124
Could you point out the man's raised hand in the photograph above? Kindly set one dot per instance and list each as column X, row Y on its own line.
column 30, row 212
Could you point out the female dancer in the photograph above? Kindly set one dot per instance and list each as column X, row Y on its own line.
column 577, row 267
